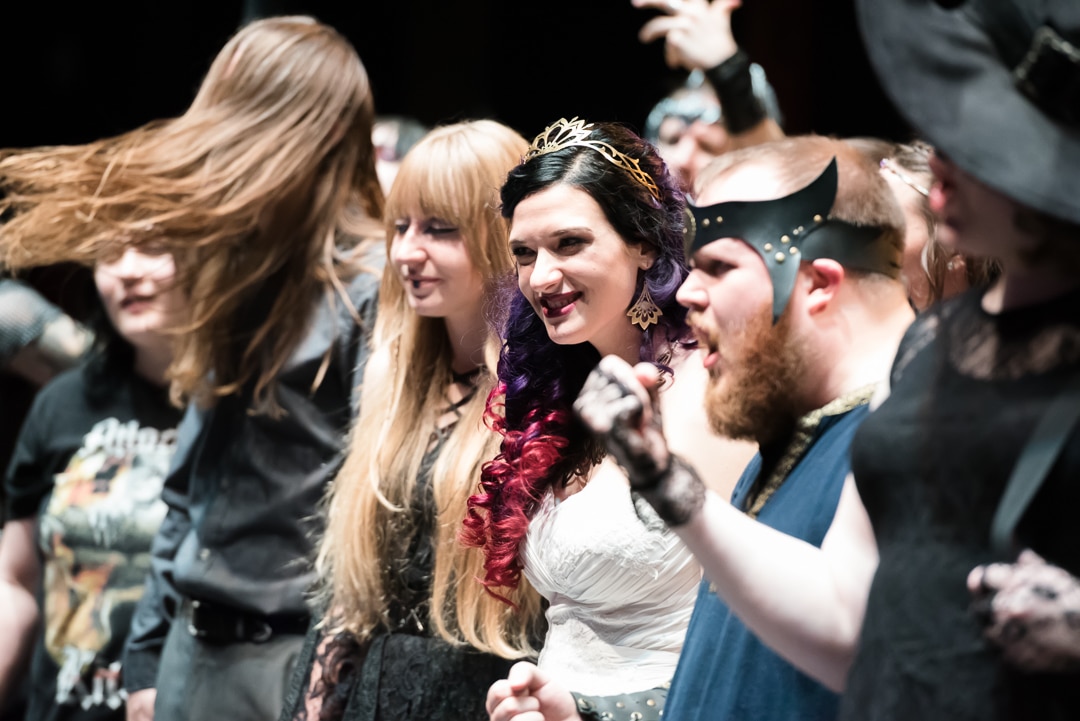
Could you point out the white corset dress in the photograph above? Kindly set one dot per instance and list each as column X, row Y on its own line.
column 621, row 590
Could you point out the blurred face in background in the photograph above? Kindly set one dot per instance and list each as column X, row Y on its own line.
column 140, row 294
column 687, row 146
column 384, row 136
column 916, row 234
column 687, row 130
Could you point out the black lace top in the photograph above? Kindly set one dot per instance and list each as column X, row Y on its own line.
column 403, row 674
column 931, row 465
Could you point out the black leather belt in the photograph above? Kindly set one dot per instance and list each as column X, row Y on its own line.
column 219, row 624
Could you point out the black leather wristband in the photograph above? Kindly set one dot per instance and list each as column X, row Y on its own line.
column 637, row 706
column 742, row 109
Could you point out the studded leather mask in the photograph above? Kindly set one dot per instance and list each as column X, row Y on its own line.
column 796, row 227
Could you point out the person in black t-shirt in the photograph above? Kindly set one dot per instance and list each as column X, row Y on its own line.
column 84, row 500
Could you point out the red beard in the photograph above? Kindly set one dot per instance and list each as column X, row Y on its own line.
column 756, row 398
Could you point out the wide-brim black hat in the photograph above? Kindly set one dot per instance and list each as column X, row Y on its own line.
column 994, row 84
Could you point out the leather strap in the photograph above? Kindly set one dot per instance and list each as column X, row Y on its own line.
column 1036, row 459
column 637, row 706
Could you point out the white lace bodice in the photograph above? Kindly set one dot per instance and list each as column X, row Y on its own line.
column 621, row 590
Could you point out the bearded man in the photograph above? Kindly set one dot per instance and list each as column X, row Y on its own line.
column 796, row 296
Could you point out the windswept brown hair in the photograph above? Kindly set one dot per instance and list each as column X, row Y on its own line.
column 453, row 173
column 257, row 190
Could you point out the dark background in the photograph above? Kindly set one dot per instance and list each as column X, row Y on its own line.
column 74, row 72
column 77, row 72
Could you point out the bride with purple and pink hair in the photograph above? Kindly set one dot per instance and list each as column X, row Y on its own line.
column 597, row 237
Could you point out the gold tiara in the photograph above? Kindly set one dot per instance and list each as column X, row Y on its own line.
column 565, row 133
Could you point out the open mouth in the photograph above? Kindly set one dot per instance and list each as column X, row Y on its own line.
column 136, row 302
column 709, row 346
column 555, row 306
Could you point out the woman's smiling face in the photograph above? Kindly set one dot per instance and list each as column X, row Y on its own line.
column 575, row 269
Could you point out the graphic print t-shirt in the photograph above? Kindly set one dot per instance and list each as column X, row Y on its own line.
column 92, row 475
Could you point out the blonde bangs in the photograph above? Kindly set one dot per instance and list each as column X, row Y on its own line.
column 442, row 183
column 433, row 183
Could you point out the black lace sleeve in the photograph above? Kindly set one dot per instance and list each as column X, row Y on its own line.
column 324, row 677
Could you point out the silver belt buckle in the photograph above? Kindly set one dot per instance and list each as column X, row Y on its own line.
column 193, row 608
column 262, row 633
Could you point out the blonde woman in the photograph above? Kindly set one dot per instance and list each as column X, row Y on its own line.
column 409, row 632
column 261, row 192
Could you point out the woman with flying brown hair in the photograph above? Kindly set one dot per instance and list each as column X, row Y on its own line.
column 263, row 191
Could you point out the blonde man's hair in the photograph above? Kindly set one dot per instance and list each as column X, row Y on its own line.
column 256, row 190
column 453, row 174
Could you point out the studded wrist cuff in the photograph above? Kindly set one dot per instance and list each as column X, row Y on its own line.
column 637, row 706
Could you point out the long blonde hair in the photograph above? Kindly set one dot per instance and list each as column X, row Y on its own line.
column 255, row 190
column 454, row 174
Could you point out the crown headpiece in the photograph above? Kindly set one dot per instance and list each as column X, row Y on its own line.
column 565, row 133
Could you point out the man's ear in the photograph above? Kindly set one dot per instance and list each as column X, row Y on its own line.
column 825, row 277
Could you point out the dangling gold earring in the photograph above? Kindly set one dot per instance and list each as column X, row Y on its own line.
column 644, row 312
